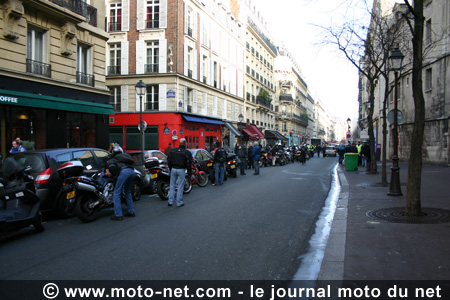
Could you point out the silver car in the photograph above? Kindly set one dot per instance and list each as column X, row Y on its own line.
column 149, row 185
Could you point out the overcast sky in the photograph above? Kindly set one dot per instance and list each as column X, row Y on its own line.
column 329, row 75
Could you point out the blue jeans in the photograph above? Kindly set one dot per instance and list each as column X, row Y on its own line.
column 243, row 165
column 256, row 165
column 125, row 182
column 219, row 172
column 177, row 177
column 341, row 159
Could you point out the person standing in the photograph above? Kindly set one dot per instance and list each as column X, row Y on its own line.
column 168, row 149
column 219, row 158
column 256, row 156
column 120, row 164
column 16, row 147
column 242, row 153
column 318, row 150
column 324, row 148
column 179, row 160
column 341, row 152
column 250, row 157
column 359, row 146
column 365, row 152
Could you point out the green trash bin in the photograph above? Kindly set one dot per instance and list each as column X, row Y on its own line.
column 351, row 161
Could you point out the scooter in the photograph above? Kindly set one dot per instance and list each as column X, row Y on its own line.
column 19, row 204
column 162, row 177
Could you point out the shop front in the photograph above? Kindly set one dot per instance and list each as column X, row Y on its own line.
column 51, row 122
column 164, row 128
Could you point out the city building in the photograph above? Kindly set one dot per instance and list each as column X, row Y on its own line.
column 52, row 79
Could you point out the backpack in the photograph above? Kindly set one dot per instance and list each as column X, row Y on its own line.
column 221, row 155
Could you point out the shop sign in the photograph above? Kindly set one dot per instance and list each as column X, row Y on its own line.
column 170, row 94
column 7, row 99
column 166, row 130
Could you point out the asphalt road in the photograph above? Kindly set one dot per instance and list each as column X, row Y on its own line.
column 252, row 228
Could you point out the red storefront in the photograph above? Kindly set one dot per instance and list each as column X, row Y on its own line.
column 164, row 128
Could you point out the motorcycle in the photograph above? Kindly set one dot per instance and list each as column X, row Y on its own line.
column 198, row 177
column 19, row 204
column 265, row 158
column 86, row 195
column 162, row 177
column 230, row 165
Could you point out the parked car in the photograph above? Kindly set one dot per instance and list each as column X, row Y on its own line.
column 149, row 186
column 44, row 164
column 205, row 160
column 330, row 151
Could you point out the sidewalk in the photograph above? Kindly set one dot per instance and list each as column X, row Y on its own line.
column 362, row 248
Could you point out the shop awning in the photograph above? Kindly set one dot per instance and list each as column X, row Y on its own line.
column 255, row 130
column 275, row 135
column 251, row 135
column 49, row 102
column 233, row 129
column 202, row 120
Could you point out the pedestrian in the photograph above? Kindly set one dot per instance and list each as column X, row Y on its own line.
column 341, row 152
column 219, row 159
column 179, row 160
column 242, row 153
column 16, row 147
column 318, row 150
column 365, row 152
column 168, row 149
column 324, row 148
column 256, row 155
column 359, row 146
column 120, row 166
column 250, row 157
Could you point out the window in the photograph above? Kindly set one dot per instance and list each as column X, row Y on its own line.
column 84, row 65
column 190, row 22
column 190, row 61
column 284, row 126
column 36, row 41
column 152, row 14
column 205, row 69
column 152, row 65
column 115, row 17
column 114, row 98
column 428, row 33
column 428, row 80
column 114, row 59
column 151, row 100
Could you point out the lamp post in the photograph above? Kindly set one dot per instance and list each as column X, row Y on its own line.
column 141, row 90
column 396, row 60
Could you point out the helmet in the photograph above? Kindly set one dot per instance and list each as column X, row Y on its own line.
column 117, row 149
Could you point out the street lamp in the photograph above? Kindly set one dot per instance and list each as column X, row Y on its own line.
column 396, row 60
column 141, row 90
column 348, row 128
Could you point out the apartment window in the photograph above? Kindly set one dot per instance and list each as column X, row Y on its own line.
column 36, row 40
column 84, row 65
column 428, row 80
column 216, row 75
column 284, row 126
column 114, row 59
column 152, row 65
column 205, row 69
column 428, row 32
column 190, row 61
column 115, row 17
column 114, row 98
column 152, row 14
column 151, row 101
column 190, row 22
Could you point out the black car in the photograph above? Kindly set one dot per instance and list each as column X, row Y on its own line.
column 44, row 165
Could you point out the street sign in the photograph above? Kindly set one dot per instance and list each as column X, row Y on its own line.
column 390, row 116
column 143, row 125
column 349, row 135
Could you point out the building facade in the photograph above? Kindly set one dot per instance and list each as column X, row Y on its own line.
column 52, row 80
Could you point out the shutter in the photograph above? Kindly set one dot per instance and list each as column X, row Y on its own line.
column 186, row 23
column 194, row 72
column 186, row 60
column 141, row 14
column 124, row 97
column 224, row 109
column 125, row 16
column 211, row 72
column 201, row 68
column 215, row 106
column 163, row 56
column 195, row 29
column 140, row 57
column 194, row 101
column 163, row 14
column 124, row 58
column 205, row 104
column 162, row 97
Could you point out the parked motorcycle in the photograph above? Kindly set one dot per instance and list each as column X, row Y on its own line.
column 198, row 177
column 230, row 166
column 162, row 177
column 19, row 204
column 86, row 195
column 265, row 158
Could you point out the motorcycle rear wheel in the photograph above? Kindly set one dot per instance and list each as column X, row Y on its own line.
column 163, row 189
column 37, row 223
column 202, row 179
column 85, row 213
column 187, row 185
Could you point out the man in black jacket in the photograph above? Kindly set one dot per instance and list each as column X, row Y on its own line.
column 179, row 159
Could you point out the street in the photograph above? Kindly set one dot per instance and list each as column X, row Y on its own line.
column 252, row 228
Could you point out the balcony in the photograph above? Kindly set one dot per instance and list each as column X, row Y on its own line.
column 286, row 97
column 286, row 83
column 39, row 68
column 114, row 70
column 80, row 7
column 84, row 78
column 114, row 26
column 151, row 68
column 151, row 24
column 300, row 119
column 263, row 102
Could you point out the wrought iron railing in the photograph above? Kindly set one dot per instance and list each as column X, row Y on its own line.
column 114, row 70
column 151, row 68
column 114, row 26
column 152, row 23
column 80, row 7
column 39, row 68
column 84, row 78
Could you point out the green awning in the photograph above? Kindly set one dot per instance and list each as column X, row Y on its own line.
column 48, row 102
